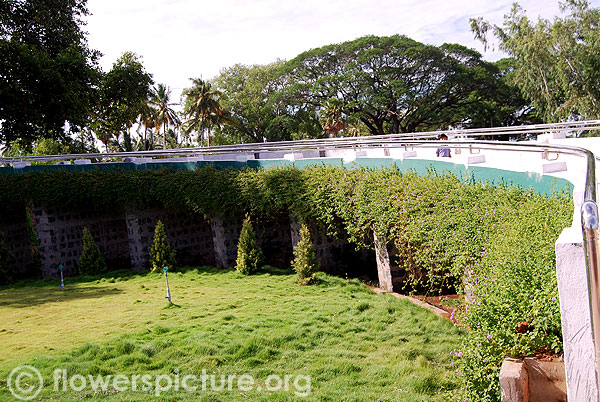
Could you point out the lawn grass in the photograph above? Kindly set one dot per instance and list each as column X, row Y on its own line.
column 354, row 344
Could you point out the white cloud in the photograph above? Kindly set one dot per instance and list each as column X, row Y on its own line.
column 181, row 39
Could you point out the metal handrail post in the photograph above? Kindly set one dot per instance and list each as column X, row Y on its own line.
column 591, row 240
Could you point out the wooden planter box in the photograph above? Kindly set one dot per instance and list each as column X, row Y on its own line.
column 533, row 380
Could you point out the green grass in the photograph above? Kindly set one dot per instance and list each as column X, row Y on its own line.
column 354, row 344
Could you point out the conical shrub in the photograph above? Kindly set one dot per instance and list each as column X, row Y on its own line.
column 305, row 261
column 161, row 252
column 249, row 257
column 91, row 261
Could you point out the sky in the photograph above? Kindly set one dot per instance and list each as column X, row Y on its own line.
column 183, row 39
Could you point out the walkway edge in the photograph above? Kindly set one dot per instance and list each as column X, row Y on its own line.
column 435, row 310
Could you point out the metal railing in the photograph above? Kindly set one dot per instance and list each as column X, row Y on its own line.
column 335, row 143
column 590, row 220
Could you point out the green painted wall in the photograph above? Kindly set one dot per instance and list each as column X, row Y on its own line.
column 542, row 184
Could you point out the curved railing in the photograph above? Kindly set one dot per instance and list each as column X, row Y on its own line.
column 590, row 220
column 344, row 142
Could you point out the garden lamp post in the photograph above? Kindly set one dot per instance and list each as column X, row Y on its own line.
column 62, row 282
column 168, row 296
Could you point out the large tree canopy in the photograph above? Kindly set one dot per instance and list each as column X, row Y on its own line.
column 47, row 72
column 257, row 108
column 557, row 65
column 394, row 84
column 123, row 93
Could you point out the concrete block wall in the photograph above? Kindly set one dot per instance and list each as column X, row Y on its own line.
column 189, row 234
column 17, row 241
column 61, row 238
column 124, row 238
column 336, row 256
column 225, row 235
column 275, row 238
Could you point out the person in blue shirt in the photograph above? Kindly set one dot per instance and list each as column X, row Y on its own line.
column 443, row 151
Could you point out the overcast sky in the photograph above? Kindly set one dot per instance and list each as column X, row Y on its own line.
column 182, row 39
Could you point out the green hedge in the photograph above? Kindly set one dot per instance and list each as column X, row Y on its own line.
column 515, row 309
column 442, row 227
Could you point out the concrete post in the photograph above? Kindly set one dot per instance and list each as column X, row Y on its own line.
column 384, row 267
column 575, row 316
column 140, row 238
column 226, row 233
column 514, row 381
column 49, row 250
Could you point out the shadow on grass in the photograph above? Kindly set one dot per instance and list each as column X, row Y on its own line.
column 268, row 269
column 34, row 292
column 111, row 276
column 25, row 297
column 205, row 270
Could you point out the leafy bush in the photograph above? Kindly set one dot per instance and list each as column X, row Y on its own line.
column 515, row 309
column 305, row 261
column 91, row 261
column 161, row 252
column 7, row 271
column 442, row 226
column 249, row 254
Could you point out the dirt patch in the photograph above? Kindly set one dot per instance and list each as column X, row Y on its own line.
column 449, row 303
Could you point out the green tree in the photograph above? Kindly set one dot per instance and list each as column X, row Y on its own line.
column 392, row 84
column 506, row 106
column 91, row 261
column 123, row 93
column 258, row 108
column 146, row 121
column 556, row 64
column 164, row 115
column 249, row 257
column 48, row 75
column 202, row 108
column 331, row 117
column 305, row 261
column 161, row 253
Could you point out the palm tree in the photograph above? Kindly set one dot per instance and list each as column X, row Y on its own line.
column 331, row 117
column 202, row 108
column 147, row 122
column 164, row 116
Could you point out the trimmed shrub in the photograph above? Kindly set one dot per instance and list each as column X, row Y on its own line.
column 6, row 263
column 161, row 252
column 250, row 256
column 305, row 261
column 91, row 261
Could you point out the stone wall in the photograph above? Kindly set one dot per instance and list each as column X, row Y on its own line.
column 225, row 234
column 391, row 276
column 124, row 238
column 188, row 233
column 275, row 239
column 17, row 242
column 61, row 238
column 336, row 255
